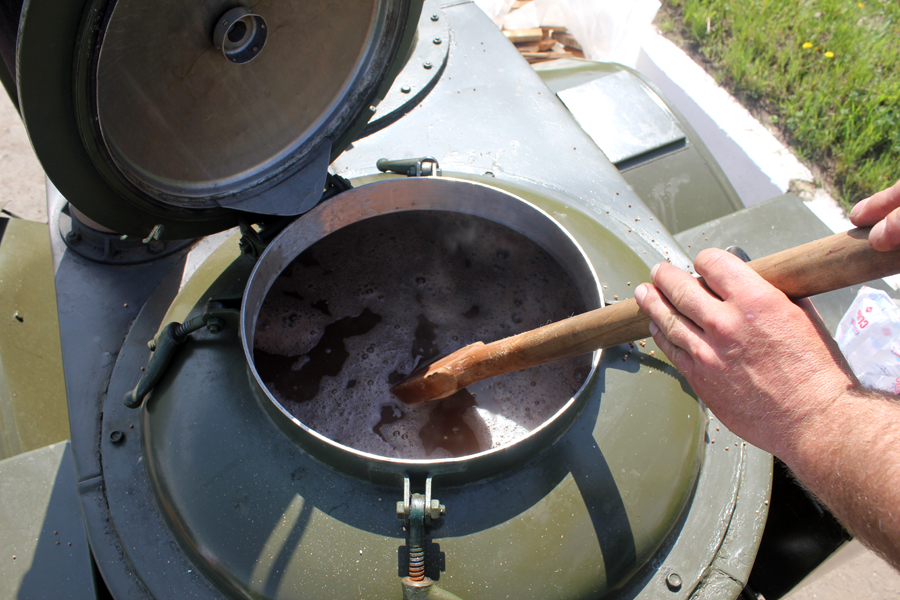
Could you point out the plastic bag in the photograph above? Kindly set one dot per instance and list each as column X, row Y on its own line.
column 869, row 337
column 495, row 9
column 608, row 30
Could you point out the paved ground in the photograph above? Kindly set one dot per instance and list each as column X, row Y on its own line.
column 758, row 168
column 21, row 176
column 854, row 573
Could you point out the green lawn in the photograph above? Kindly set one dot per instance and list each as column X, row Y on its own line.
column 828, row 71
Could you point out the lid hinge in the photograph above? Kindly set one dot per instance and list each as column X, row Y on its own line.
column 255, row 239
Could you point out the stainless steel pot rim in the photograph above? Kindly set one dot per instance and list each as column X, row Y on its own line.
column 411, row 194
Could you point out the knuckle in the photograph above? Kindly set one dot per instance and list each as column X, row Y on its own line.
column 721, row 328
column 707, row 259
column 681, row 293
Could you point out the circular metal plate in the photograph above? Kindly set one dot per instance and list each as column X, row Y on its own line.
column 139, row 121
column 180, row 120
column 392, row 197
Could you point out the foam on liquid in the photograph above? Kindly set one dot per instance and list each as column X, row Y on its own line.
column 364, row 306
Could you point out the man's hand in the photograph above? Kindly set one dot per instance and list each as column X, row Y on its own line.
column 764, row 365
column 771, row 373
column 883, row 211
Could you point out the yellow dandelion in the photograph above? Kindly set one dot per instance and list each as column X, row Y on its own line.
column 829, row 54
column 860, row 4
column 807, row 45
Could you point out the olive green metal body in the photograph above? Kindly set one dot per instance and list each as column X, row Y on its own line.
column 642, row 484
column 32, row 390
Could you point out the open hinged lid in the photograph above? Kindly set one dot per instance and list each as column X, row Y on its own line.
column 185, row 114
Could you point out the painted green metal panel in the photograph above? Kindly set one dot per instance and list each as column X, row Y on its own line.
column 45, row 552
column 33, row 409
column 681, row 183
column 633, row 491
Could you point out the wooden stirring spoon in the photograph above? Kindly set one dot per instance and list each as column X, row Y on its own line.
column 825, row 265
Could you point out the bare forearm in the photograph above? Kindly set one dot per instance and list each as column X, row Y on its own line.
column 849, row 457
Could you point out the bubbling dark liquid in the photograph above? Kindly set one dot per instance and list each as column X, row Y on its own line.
column 361, row 308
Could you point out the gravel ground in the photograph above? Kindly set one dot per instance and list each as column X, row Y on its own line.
column 21, row 177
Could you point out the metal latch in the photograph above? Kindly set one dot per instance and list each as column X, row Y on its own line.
column 416, row 511
column 411, row 167
column 171, row 337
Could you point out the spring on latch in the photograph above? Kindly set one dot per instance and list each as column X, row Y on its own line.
column 417, row 553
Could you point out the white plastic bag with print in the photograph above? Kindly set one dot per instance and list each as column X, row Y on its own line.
column 869, row 336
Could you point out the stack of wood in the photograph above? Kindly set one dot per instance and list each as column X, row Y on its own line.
column 543, row 43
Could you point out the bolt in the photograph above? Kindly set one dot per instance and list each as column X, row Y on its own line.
column 427, row 65
column 406, row 89
column 437, row 41
column 673, row 580
column 401, row 510
column 436, row 510
column 434, row 17
column 215, row 325
column 73, row 237
column 246, row 247
column 117, row 437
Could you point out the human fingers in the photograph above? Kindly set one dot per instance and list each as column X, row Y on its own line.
column 686, row 294
column 726, row 275
column 876, row 207
column 885, row 235
column 669, row 328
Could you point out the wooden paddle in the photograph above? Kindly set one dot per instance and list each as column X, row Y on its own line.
column 825, row 265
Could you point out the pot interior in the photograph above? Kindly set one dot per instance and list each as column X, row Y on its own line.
column 360, row 292
column 363, row 307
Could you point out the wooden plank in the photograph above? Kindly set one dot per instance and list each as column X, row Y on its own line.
column 524, row 36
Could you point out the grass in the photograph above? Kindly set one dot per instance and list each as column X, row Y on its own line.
column 827, row 71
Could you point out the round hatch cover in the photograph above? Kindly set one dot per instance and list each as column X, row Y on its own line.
column 185, row 129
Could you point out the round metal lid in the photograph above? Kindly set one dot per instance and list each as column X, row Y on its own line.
column 189, row 110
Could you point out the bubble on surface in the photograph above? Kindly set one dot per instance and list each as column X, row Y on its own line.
column 450, row 280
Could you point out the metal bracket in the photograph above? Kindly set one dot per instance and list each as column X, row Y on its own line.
column 431, row 508
column 411, row 167
column 251, row 244
column 110, row 248
column 254, row 242
column 171, row 337
column 416, row 511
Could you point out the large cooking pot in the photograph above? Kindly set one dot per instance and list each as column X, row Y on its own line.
column 387, row 201
column 627, row 483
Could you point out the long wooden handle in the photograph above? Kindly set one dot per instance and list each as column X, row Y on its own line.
column 825, row 265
